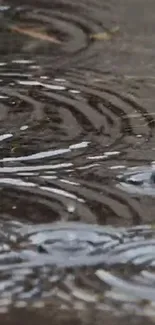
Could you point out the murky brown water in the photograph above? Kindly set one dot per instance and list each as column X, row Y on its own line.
column 77, row 156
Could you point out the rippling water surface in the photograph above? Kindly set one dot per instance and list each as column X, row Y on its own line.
column 77, row 162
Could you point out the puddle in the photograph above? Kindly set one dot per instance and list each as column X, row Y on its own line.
column 77, row 156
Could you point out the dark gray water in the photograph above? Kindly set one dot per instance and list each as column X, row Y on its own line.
column 77, row 162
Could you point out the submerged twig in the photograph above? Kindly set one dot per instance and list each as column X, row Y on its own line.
column 35, row 34
column 105, row 36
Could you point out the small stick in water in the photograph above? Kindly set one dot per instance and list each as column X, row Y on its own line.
column 34, row 34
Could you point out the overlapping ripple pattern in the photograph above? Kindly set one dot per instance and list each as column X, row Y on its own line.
column 76, row 167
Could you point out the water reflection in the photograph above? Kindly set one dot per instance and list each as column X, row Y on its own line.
column 107, row 266
column 73, row 117
column 138, row 181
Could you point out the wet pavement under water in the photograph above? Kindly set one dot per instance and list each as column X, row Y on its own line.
column 77, row 162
